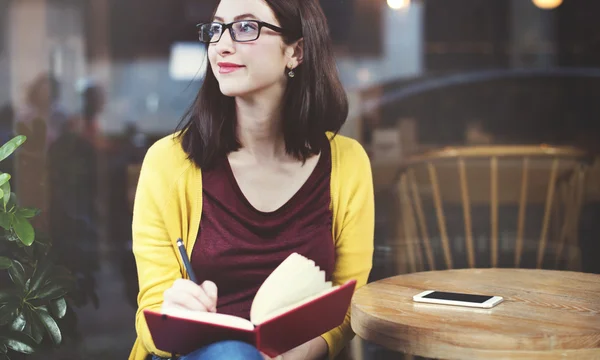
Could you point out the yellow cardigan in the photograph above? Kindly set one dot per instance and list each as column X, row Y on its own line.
column 168, row 205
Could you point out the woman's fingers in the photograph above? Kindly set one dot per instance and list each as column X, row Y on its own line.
column 185, row 293
column 210, row 289
column 199, row 293
column 184, row 299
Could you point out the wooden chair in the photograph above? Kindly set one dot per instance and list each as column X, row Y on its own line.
column 490, row 206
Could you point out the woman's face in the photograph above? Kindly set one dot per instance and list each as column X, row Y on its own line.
column 246, row 68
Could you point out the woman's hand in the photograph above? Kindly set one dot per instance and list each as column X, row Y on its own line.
column 185, row 294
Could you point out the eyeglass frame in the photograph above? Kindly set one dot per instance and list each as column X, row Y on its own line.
column 229, row 26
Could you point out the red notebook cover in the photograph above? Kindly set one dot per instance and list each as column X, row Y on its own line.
column 275, row 336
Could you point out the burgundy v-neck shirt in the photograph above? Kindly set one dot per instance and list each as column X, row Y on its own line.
column 238, row 246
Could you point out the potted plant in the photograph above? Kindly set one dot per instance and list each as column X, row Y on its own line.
column 34, row 290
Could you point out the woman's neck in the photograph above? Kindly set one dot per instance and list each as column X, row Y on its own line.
column 259, row 127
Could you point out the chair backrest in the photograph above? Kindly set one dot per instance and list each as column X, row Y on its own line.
column 491, row 206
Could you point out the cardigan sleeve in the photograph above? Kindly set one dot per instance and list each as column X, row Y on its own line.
column 355, row 234
column 157, row 263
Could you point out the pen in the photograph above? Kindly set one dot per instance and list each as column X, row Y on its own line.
column 186, row 260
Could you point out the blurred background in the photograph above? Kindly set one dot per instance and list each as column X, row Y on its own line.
column 481, row 119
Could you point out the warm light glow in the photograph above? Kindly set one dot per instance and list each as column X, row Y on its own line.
column 547, row 4
column 398, row 4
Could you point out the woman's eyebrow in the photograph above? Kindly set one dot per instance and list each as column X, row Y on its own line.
column 239, row 17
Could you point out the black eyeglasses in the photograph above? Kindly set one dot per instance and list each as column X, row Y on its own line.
column 240, row 31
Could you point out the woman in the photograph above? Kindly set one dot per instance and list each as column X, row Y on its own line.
column 255, row 173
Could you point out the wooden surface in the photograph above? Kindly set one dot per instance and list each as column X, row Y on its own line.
column 500, row 151
column 545, row 315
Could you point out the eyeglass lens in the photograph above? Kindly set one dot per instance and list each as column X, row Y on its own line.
column 241, row 31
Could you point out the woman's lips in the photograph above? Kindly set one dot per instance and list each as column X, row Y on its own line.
column 226, row 68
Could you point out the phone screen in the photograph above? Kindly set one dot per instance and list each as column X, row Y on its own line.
column 479, row 299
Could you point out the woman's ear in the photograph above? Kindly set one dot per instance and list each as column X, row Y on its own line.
column 295, row 52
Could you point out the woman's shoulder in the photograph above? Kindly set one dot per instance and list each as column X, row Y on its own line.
column 167, row 156
column 170, row 143
column 348, row 151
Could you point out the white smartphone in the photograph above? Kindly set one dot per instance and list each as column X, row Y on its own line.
column 459, row 299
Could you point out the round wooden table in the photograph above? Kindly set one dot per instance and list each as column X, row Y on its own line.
column 545, row 315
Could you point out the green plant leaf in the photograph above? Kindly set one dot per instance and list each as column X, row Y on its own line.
column 4, row 177
column 17, row 274
column 12, row 201
column 23, row 229
column 7, row 149
column 50, row 325
column 3, row 350
column 19, row 342
column 5, row 263
column 40, row 274
column 27, row 212
column 19, row 323
column 50, row 292
column 7, row 193
column 58, row 307
column 8, row 313
column 5, row 220
column 34, row 327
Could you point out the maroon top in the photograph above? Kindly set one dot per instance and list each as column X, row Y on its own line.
column 238, row 246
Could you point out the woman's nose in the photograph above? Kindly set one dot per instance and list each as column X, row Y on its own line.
column 225, row 44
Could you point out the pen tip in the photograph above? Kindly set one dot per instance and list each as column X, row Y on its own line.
column 179, row 241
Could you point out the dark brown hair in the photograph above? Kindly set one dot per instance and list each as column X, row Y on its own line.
column 314, row 100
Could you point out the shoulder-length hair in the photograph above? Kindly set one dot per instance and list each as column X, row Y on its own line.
column 314, row 101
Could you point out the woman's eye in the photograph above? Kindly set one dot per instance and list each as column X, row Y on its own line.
column 247, row 27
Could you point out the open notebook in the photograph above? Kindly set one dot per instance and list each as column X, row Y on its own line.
column 292, row 306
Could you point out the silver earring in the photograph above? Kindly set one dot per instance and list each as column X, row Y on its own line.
column 291, row 73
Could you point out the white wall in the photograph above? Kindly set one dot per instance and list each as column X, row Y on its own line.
column 402, row 58
column 27, row 46
column 403, row 51
column 44, row 37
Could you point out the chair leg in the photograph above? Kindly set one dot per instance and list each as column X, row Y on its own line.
column 356, row 348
